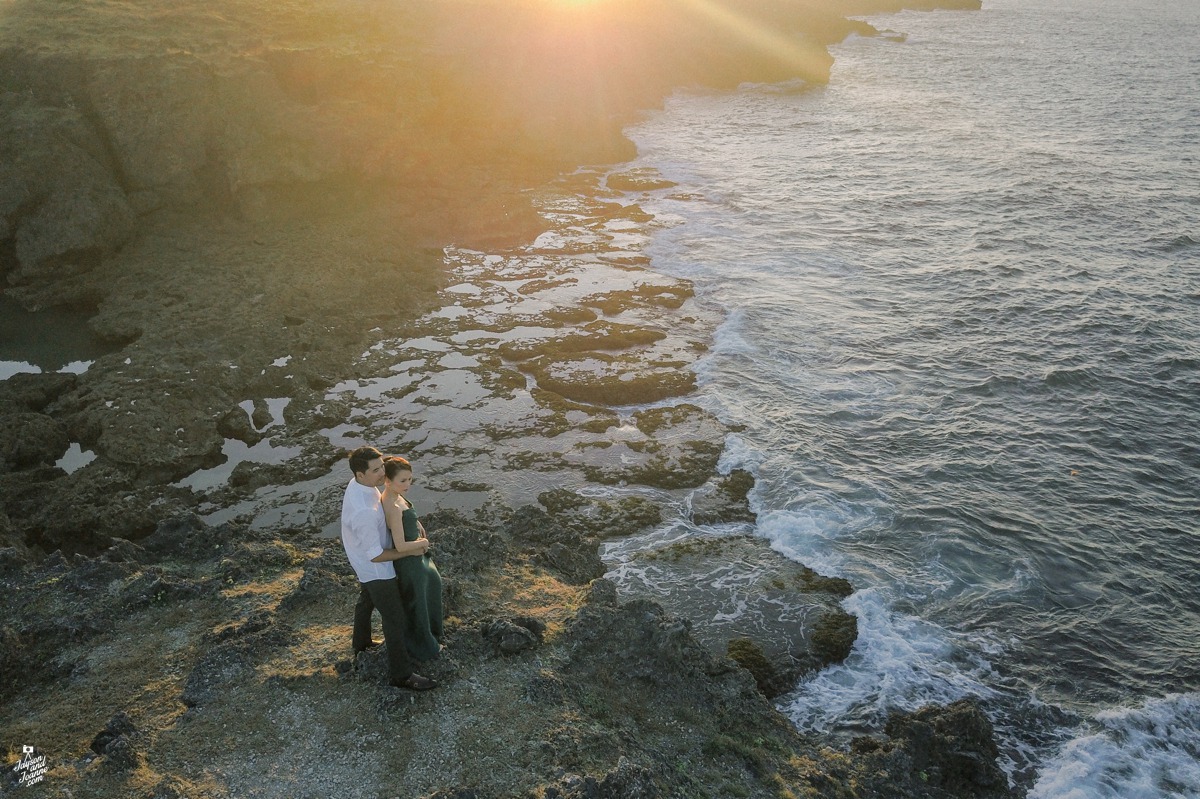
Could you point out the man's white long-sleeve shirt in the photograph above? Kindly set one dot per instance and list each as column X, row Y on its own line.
column 364, row 532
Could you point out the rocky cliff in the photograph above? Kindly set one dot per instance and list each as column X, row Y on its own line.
column 215, row 185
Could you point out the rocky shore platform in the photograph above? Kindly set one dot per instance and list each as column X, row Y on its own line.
column 304, row 226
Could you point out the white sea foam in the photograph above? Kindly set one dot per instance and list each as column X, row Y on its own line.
column 807, row 531
column 738, row 454
column 730, row 338
column 898, row 662
column 1148, row 752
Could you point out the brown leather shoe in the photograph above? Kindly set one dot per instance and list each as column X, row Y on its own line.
column 414, row 682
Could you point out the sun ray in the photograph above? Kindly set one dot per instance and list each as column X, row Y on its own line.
column 805, row 57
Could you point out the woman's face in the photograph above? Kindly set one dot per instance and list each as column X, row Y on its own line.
column 401, row 482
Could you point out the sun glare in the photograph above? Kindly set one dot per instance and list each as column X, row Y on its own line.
column 737, row 20
column 805, row 57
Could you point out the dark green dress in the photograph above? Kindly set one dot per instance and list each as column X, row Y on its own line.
column 421, row 591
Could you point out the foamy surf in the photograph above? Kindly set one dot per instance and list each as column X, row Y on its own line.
column 899, row 662
column 1147, row 752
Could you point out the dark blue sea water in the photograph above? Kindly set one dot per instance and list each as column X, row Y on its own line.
column 961, row 286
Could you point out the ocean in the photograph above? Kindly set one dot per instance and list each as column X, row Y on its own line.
column 960, row 292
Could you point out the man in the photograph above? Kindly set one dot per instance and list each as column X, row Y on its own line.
column 371, row 552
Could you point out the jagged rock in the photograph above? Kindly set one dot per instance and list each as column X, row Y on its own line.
column 683, row 446
column 250, row 476
column 172, row 788
column 613, row 303
column 562, row 551
column 317, row 584
column 95, row 576
column 649, row 644
column 462, row 549
column 175, row 535
column 236, row 424
column 545, row 687
column 626, row 781
column 15, row 659
column 63, row 205
column 600, row 519
column 602, row 592
column 261, row 417
column 244, row 560
column 599, row 335
column 12, row 561
column 952, row 745
column 30, row 439
column 332, row 559
column 33, row 392
column 254, row 622
column 155, row 588
column 574, row 562
column 163, row 428
column 158, row 114
column 52, row 609
column 114, row 743
column 511, row 636
column 605, row 379
column 725, row 500
column 737, row 587
column 833, row 637
column 640, row 179
column 85, row 511
column 123, row 551
column 767, row 676
column 71, row 229
column 188, row 534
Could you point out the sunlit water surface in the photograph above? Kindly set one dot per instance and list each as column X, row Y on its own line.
column 962, row 288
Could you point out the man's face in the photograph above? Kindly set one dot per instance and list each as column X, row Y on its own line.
column 373, row 476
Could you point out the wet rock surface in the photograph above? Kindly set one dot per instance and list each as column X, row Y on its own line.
column 942, row 750
column 773, row 616
column 724, row 500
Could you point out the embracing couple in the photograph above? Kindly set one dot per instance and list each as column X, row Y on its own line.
column 388, row 549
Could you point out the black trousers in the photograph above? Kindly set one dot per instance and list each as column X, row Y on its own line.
column 384, row 596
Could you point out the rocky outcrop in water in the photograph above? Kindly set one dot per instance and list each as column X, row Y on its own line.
column 773, row 616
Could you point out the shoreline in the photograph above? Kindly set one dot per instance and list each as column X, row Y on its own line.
column 257, row 604
column 228, row 616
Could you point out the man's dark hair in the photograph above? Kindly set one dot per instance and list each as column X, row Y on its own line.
column 360, row 459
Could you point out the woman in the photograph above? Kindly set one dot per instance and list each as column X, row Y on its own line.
column 420, row 583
